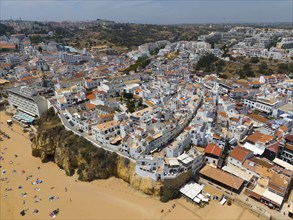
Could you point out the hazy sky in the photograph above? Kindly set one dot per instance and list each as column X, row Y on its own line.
column 154, row 11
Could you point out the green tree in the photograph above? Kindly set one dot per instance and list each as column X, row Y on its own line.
column 246, row 71
column 254, row 60
column 206, row 63
column 36, row 39
column 141, row 63
column 220, row 65
column 40, row 49
column 139, row 104
column 269, row 72
column 290, row 67
column 130, row 106
column 263, row 67
column 283, row 67
column 127, row 95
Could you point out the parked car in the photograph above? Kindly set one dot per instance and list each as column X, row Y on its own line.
column 70, row 122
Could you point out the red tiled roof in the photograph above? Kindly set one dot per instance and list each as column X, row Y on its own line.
column 289, row 137
column 259, row 137
column 284, row 128
column 274, row 147
column 222, row 177
column 90, row 106
column 213, row 149
column 91, row 96
column 239, row 153
column 258, row 118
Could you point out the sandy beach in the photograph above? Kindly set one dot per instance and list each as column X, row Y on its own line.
column 101, row 199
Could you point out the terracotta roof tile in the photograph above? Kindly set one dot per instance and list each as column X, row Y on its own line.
column 259, row 137
column 258, row 118
column 90, row 106
column 240, row 153
column 213, row 149
column 222, row 177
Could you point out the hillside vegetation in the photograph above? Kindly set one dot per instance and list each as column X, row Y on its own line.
column 71, row 152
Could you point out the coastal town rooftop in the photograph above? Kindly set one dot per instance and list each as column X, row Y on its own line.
column 222, row 177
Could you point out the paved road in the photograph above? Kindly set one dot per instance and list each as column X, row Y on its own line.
column 69, row 126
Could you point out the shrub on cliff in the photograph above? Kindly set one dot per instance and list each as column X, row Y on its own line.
column 48, row 119
column 169, row 193
column 71, row 151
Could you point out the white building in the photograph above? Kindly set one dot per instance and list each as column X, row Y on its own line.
column 106, row 132
column 264, row 105
column 27, row 100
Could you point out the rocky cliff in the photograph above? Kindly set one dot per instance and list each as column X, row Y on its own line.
column 125, row 169
column 75, row 154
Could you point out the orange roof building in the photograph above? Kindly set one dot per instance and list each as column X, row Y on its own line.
column 212, row 149
column 222, row 178
column 259, row 137
column 241, row 154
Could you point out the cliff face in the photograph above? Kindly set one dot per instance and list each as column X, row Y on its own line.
column 76, row 154
column 73, row 153
column 126, row 171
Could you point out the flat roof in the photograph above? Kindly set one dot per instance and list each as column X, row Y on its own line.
column 278, row 200
column 237, row 172
column 173, row 161
column 26, row 92
column 254, row 148
column 107, row 125
column 222, row 177
column 286, row 108
column 191, row 189
column 283, row 164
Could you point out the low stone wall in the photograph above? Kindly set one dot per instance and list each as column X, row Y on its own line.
column 179, row 180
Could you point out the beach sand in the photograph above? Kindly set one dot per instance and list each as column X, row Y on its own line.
column 100, row 199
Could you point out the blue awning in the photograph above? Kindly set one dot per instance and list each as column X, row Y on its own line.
column 25, row 117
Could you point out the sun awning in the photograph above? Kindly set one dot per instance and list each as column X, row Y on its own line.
column 27, row 112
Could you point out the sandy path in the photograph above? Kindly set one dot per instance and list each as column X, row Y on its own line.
column 102, row 199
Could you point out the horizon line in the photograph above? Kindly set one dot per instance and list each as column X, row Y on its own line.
column 181, row 23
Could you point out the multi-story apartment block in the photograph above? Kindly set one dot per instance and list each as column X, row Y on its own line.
column 264, row 104
column 213, row 154
column 286, row 149
column 92, row 83
column 177, row 147
column 74, row 58
column 27, row 100
column 238, row 155
column 106, row 132
column 66, row 83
